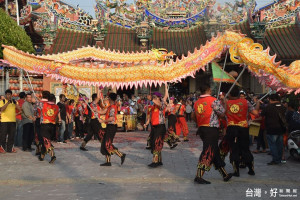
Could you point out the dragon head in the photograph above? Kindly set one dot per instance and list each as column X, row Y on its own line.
column 163, row 54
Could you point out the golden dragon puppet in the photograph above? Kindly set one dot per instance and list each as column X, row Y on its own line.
column 119, row 69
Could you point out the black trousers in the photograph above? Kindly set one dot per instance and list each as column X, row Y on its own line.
column 93, row 129
column 171, row 132
column 86, row 125
column 55, row 132
column 149, row 136
column 7, row 129
column 261, row 140
column 46, row 133
column 66, row 133
column 47, row 130
column 78, row 127
column 157, row 138
column 143, row 121
column 188, row 117
column 107, row 147
column 28, row 135
column 211, row 152
column 172, row 123
column 239, row 144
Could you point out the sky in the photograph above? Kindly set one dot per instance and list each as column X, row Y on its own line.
column 88, row 5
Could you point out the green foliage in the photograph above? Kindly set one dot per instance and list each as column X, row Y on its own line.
column 13, row 35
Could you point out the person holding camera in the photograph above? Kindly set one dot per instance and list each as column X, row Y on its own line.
column 8, row 123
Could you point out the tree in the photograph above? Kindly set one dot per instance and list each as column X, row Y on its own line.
column 13, row 35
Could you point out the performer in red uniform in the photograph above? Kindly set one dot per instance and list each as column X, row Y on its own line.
column 181, row 125
column 171, row 137
column 86, row 115
column 48, row 117
column 237, row 132
column 79, row 118
column 157, row 118
column 94, row 127
column 38, row 106
column 207, row 111
column 107, row 147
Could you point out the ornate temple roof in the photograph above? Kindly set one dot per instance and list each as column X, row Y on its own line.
column 121, row 39
column 124, row 39
column 284, row 41
column 67, row 40
column 180, row 42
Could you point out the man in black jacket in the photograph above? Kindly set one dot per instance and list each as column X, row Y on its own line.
column 276, row 126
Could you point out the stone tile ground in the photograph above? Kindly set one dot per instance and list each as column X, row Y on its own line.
column 77, row 174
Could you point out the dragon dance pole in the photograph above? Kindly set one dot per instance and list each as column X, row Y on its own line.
column 236, row 80
column 31, row 87
column 87, row 103
column 27, row 82
column 264, row 96
column 6, row 6
column 17, row 11
column 168, row 87
column 223, row 71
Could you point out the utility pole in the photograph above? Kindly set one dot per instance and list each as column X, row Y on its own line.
column 17, row 9
column 6, row 70
column 21, row 71
column 6, row 6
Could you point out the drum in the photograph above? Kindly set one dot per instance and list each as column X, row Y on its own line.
column 130, row 122
column 254, row 128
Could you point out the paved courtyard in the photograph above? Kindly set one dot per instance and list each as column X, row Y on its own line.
column 77, row 174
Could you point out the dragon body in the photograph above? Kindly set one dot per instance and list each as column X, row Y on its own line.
column 119, row 69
